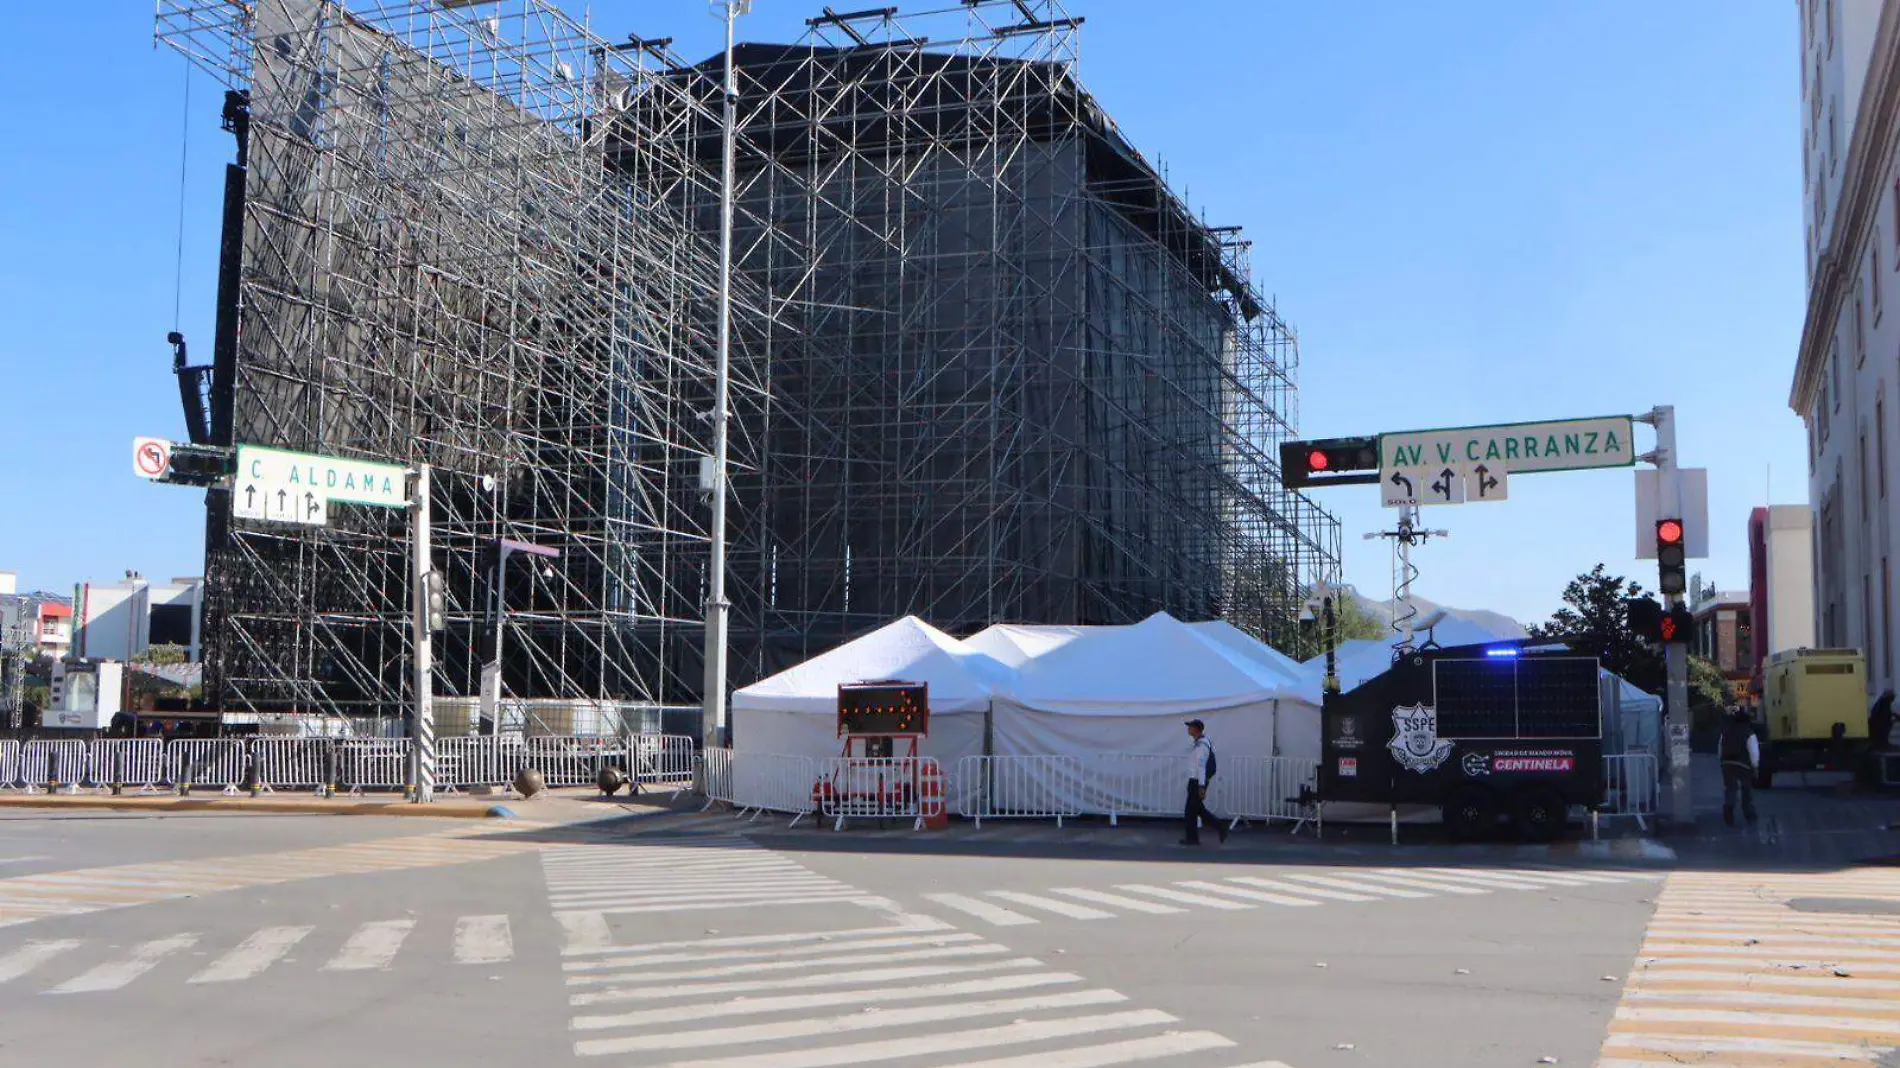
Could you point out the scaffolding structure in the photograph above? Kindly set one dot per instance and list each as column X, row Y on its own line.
column 987, row 365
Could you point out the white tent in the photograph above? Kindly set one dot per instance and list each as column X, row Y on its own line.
column 1015, row 644
column 1234, row 640
column 796, row 711
column 1369, row 657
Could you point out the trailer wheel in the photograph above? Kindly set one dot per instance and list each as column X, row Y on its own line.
column 1539, row 813
column 1471, row 814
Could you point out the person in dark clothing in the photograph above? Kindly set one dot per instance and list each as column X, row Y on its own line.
column 1200, row 772
column 1741, row 756
column 1880, row 720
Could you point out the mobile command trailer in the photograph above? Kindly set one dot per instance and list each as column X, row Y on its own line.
column 1814, row 712
column 1483, row 732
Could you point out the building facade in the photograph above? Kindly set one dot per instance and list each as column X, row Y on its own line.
column 1847, row 377
column 121, row 620
column 1781, row 579
column 1724, row 634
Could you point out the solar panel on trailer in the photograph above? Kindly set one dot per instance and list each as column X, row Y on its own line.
column 1476, row 698
column 1557, row 697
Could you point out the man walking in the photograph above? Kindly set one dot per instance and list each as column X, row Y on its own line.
column 1200, row 772
column 1741, row 756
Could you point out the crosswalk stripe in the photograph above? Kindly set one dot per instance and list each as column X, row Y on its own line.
column 1869, row 999
column 733, row 941
column 1602, row 877
column 116, row 974
column 1103, row 897
column 635, row 959
column 32, row 955
column 1134, row 1049
column 1019, row 1033
column 800, row 1002
column 636, row 905
column 1706, row 1045
column 1170, row 894
column 1491, row 880
column 253, row 955
column 1250, row 895
column 858, row 1021
column 584, row 932
column 373, row 946
column 982, row 910
column 1047, row 904
column 1855, row 1025
column 1296, row 888
column 803, row 982
column 757, row 967
column 1537, row 880
column 1353, row 886
column 483, row 940
column 1424, row 884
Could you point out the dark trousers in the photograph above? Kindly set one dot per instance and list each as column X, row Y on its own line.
column 1738, row 778
column 1197, row 811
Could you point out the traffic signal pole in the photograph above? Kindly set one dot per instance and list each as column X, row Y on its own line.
column 422, row 748
column 1678, row 802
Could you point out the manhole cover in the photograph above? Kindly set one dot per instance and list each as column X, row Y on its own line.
column 1869, row 905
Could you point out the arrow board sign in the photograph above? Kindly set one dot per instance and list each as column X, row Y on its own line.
column 293, row 487
column 1516, row 448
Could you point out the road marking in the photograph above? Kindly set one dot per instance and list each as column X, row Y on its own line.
column 253, row 955
column 1296, row 888
column 1536, row 880
column 1019, row 1033
column 1424, row 884
column 1250, row 895
column 635, row 959
column 805, row 982
column 1355, row 886
column 32, row 955
column 924, row 925
column 1490, row 880
column 857, row 1021
column 1706, row 1045
column 1047, row 904
column 373, row 946
column 483, row 940
column 143, row 958
column 1134, row 1049
column 1182, row 896
column 587, row 932
column 1103, row 897
column 982, row 910
column 799, row 1002
column 757, row 967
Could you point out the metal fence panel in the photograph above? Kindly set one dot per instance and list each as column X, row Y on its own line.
column 478, row 761
column 372, row 763
column 1136, row 784
column 205, row 762
column 290, row 762
column 1020, row 787
column 46, row 762
column 136, row 762
column 662, row 759
column 717, row 763
column 9, row 764
column 566, row 761
column 772, row 782
column 1631, row 785
column 879, row 788
column 1262, row 788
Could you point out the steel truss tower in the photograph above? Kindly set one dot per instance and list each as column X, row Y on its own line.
column 987, row 365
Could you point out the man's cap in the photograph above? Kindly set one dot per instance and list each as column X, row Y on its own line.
column 1197, row 723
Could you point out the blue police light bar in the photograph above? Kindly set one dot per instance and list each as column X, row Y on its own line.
column 1508, row 651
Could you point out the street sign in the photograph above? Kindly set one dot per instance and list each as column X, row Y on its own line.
column 294, row 487
column 1514, row 448
column 1401, row 487
column 151, row 457
column 1486, row 483
column 1447, row 486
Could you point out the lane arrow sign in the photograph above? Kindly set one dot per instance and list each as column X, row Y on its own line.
column 1443, row 486
column 1399, row 479
column 1485, row 481
column 250, row 496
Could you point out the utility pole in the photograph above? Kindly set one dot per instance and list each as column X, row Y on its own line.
column 714, row 725
column 423, row 743
column 1678, row 803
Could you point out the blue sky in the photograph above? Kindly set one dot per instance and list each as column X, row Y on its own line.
column 1474, row 212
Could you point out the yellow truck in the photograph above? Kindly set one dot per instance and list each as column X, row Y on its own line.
column 1814, row 712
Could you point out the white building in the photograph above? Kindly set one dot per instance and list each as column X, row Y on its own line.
column 1847, row 375
column 120, row 621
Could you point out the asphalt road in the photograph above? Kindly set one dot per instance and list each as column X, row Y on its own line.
column 321, row 940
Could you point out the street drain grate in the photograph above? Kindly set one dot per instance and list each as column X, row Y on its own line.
column 1866, row 905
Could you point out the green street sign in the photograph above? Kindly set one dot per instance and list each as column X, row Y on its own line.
column 297, row 487
column 1514, row 448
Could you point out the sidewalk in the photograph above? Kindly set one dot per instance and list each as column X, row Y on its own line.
column 565, row 805
column 1817, row 820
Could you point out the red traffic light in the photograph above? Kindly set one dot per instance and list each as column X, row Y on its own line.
column 1667, row 629
column 1317, row 460
column 1669, row 532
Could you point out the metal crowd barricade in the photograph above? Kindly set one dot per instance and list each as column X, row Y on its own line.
column 877, row 788
column 1631, row 786
column 716, row 766
column 1020, row 787
column 564, row 761
column 478, row 761
column 771, row 782
column 661, row 759
column 205, row 762
column 371, row 763
column 1263, row 788
column 48, row 765
column 118, row 762
column 9, row 765
column 291, row 762
column 1137, row 784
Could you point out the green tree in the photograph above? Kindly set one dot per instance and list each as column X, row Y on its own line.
column 162, row 654
column 1595, row 622
column 1356, row 621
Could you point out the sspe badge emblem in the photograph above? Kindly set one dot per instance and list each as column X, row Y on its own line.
column 1415, row 742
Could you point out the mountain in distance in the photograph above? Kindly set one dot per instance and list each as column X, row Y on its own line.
column 1495, row 622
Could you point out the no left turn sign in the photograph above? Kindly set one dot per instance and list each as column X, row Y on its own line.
column 151, row 457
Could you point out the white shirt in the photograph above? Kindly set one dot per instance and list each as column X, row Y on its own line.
column 1197, row 760
column 1754, row 752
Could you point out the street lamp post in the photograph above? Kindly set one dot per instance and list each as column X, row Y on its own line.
column 714, row 725
column 491, row 670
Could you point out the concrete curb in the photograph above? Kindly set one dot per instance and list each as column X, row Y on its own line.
column 438, row 810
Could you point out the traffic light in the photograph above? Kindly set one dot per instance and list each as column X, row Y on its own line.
column 199, row 465
column 437, row 601
column 1676, row 626
column 1329, row 462
column 1672, row 558
column 1645, row 618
